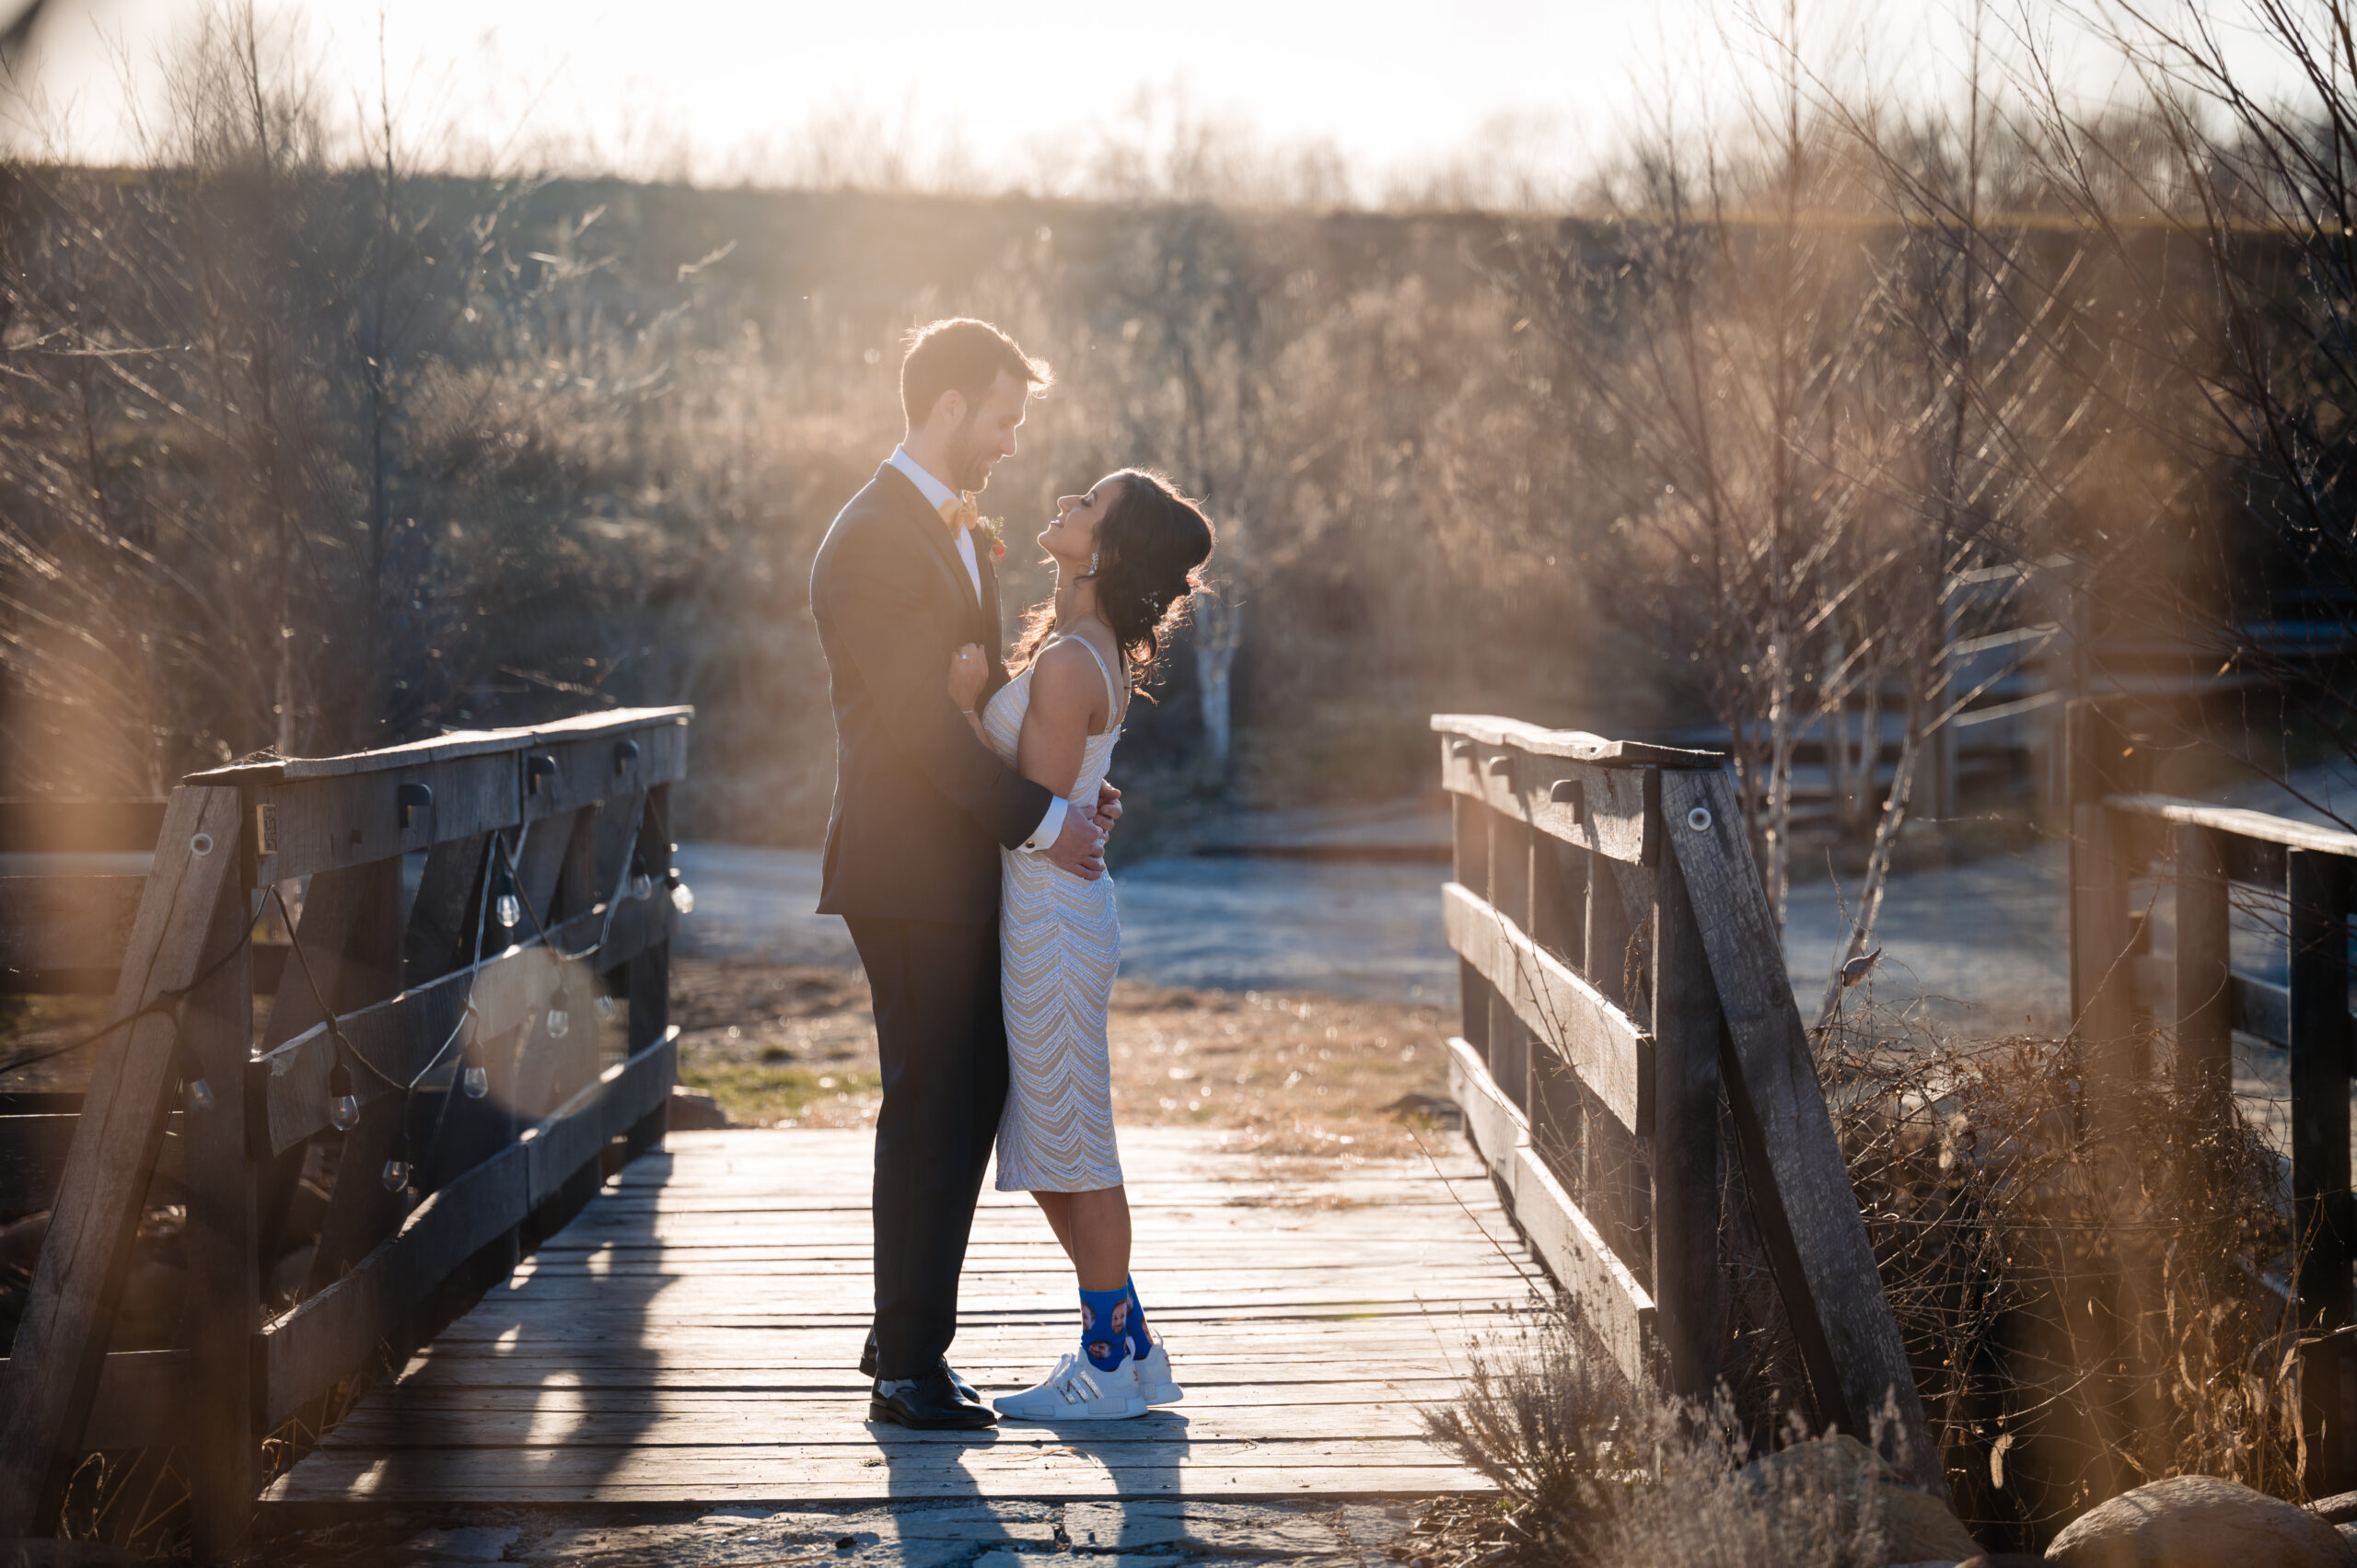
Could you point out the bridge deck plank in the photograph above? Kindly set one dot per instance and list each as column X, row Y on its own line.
column 690, row 1339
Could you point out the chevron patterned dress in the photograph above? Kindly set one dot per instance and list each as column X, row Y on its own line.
column 1060, row 941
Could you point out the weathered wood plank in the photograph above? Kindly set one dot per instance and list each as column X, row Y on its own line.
column 455, row 746
column 33, row 1158
column 1573, row 745
column 142, row 1403
column 60, row 1348
column 2203, row 990
column 308, row 1349
column 223, row 1445
column 1562, row 1010
column 2234, row 822
column 2318, row 894
column 1807, row 1210
column 1596, row 808
column 403, row 1032
column 1684, row 1146
column 576, row 1380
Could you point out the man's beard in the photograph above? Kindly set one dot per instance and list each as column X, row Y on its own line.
column 970, row 457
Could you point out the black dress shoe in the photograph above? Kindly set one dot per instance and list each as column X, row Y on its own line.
column 966, row 1390
column 928, row 1404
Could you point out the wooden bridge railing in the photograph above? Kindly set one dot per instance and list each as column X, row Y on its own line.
column 1621, row 979
column 2125, row 999
column 459, row 1067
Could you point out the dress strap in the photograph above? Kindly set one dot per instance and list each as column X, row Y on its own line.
column 1112, row 696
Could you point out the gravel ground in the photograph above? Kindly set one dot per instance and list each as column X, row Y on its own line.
column 795, row 1045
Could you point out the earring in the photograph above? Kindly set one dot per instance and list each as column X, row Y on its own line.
column 1092, row 561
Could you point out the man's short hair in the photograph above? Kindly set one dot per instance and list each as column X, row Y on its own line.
column 961, row 356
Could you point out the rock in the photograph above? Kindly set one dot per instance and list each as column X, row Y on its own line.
column 1916, row 1526
column 2198, row 1521
column 691, row 1112
column 2002, row 1559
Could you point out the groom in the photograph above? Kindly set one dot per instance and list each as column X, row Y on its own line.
column 921, row 810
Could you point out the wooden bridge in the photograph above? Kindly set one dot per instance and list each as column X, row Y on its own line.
column 388, row 1100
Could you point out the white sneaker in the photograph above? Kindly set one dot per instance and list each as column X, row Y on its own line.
column 1153, row 1374
column 1078, row 1390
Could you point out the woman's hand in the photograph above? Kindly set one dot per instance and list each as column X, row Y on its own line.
column 968, row 671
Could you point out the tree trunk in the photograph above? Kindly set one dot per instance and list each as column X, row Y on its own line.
column 1219, row 627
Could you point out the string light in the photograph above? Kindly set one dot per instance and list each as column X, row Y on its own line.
column 560, row 1015
column 343, row 1106
column 605, row 1007
column 505, row 905
column 641, row 883
column 200, row 1095
column 395, row 1176
column 683, row 898
column 474, row 1078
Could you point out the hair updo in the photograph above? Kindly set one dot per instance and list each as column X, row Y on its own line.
column 1151, row 546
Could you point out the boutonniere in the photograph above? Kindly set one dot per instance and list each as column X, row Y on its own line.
column 991, row 530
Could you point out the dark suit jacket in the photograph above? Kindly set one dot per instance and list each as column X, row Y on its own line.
column 921, row 805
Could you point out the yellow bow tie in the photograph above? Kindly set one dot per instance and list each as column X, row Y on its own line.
column 960, row 512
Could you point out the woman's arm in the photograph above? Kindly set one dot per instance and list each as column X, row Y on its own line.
column 1067, row 707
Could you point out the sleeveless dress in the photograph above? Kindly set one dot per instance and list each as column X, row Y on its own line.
column 1060, row 941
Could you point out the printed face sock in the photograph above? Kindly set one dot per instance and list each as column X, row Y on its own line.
column 1140, row 1341
column 1104, row 1327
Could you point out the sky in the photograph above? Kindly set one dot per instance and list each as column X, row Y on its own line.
column 719, row 89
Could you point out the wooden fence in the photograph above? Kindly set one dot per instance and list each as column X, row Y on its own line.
column 458, row 1078
column 2132, row 1007
column 1621, row 979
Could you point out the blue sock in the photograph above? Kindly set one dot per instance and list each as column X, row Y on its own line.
column 1140, row 1341
column 1104, row 1321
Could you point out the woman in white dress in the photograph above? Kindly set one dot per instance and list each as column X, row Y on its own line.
column 1127, row 554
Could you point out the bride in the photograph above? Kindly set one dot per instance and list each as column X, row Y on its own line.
column 1126, row 555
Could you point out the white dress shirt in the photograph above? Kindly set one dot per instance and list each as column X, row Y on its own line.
column 936, row 494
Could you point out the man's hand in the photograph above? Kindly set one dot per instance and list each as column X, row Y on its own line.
column 1079, row 849
column 1108, row 808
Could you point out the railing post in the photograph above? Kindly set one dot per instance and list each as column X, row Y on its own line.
column 223, row 1310
column 2204, row 1062
column 2101, row 980
column 1509, row 860
column 1685, row 1141
column 1469, row 863
column 2318, row 888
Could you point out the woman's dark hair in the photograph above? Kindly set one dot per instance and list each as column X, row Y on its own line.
column 1151, row 546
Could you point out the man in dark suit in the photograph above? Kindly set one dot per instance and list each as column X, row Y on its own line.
column 921, row 810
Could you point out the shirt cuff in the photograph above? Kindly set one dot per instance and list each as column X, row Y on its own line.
column 1049, row 826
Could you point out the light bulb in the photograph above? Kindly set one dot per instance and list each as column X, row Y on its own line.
column 476, row 1081
column 642, row 886
column 510, row 909
column 683, row 898
column 605, row 1007
column 560, row 1017
column 344, row 1111
column 200, row 1094
column 395, row 1176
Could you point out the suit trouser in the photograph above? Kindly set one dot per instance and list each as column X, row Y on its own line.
column 943, row 1043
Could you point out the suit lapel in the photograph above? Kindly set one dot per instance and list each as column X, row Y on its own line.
column 935, row 534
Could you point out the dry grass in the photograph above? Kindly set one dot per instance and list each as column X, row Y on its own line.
column 2076, row 1256
column 1594, row 1471
column 1311, row 1077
